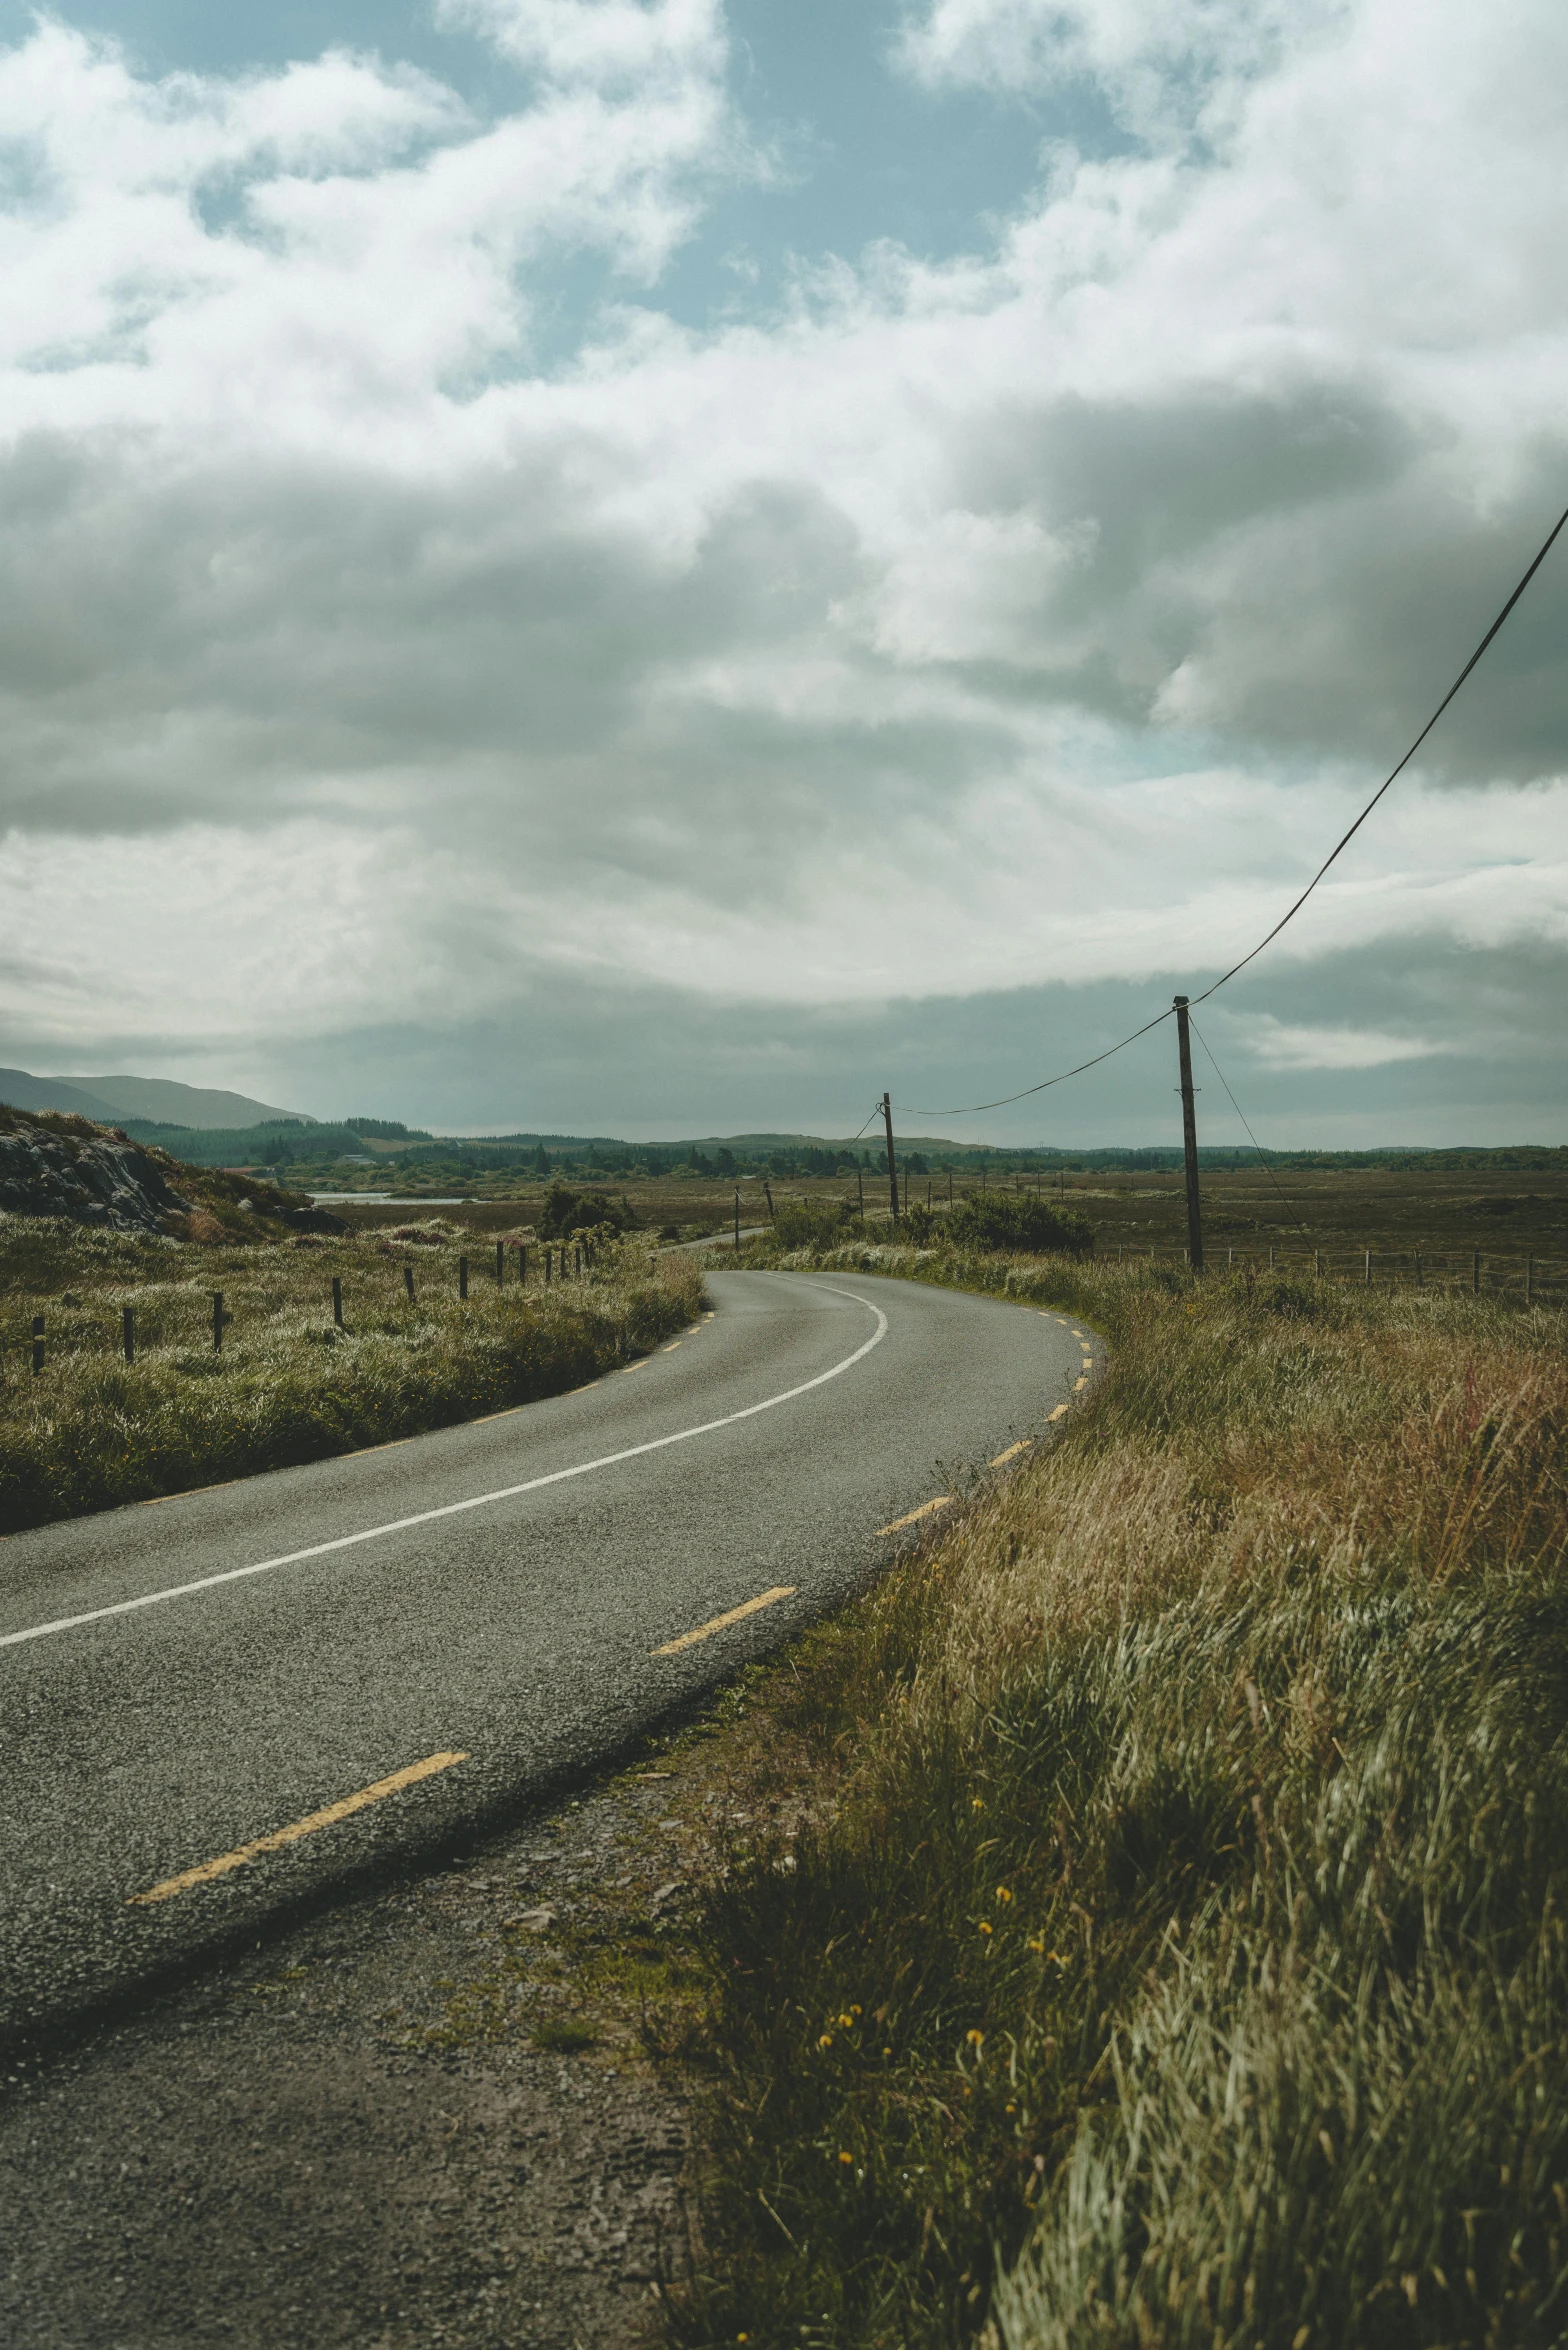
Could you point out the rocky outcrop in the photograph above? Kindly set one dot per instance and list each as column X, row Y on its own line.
column 93, row 1178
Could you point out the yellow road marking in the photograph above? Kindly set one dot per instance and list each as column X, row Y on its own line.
column 1013, row 1451
column 326, row 1818
column 1077, row 1333
column 1060, row 1409
column 1077, row 1383
column 153, row 1499
column 674, row 1343
column 924, row 1511
column 718, row 1623
column 631, row 1367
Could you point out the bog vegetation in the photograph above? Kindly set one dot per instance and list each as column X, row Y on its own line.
column 1175, row 1948
column 289, row 1384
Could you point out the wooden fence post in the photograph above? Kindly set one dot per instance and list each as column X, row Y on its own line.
column 522, row 1264
column 337, row 1299
column 408, row 1282
column 38, row 1344
column 128, row 1332
column 462, row 1277
column 1369, row 1269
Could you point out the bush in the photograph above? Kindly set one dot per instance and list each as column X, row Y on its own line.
column 811, row 1223
column 566, row 1212
column 1018, row 1220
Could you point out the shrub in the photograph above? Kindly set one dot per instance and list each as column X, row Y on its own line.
column 566, row 1212
column 1018, row 1220
column 811, row 1223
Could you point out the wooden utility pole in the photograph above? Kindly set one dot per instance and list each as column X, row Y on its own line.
column 1189, row 1136
column 892, row 1163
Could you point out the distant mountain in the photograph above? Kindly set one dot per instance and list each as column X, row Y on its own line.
column 111, row 1099
column 22, row 1092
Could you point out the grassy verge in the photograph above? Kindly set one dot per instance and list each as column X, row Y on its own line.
column 288, row 1385
column 1167, row 1942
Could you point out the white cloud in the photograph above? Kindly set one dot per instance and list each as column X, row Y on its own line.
column 1278, row 1046
column 1035, row 617
column 1167, row 67
column 620, row 43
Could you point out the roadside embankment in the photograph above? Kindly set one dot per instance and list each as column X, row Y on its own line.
column 1162, row 1939
column 289, row 1383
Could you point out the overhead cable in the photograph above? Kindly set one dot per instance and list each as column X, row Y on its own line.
column 1292, row 911
column 973, row 1109
column 1251, row 1137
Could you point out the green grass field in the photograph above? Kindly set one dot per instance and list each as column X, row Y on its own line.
column 1163, row 1941
column 289, row 1384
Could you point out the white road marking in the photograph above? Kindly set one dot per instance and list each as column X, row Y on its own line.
column 453, row 1509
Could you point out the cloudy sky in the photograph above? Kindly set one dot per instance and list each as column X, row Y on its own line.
column 656, row 566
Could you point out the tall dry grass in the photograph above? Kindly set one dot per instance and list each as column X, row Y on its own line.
column 1177, row 1955
column 289, row 1385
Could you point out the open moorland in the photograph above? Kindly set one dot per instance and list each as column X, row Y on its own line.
column 1443, row 1214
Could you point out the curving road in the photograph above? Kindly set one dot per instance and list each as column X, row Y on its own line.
column 496, row 1605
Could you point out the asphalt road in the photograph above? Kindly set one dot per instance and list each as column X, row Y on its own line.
column 496, row 1592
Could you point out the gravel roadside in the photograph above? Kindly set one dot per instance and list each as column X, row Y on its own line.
column 426, row 2117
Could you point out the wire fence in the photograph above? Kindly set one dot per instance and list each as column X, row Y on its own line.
column 1529, row 1279
column 139, row 1323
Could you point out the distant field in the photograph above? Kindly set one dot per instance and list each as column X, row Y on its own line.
column 1340, row 1213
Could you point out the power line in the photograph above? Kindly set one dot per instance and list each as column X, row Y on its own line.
column 974, row 1108
column 1251, row 1137
column 908, row 1111
column 1292, row 911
